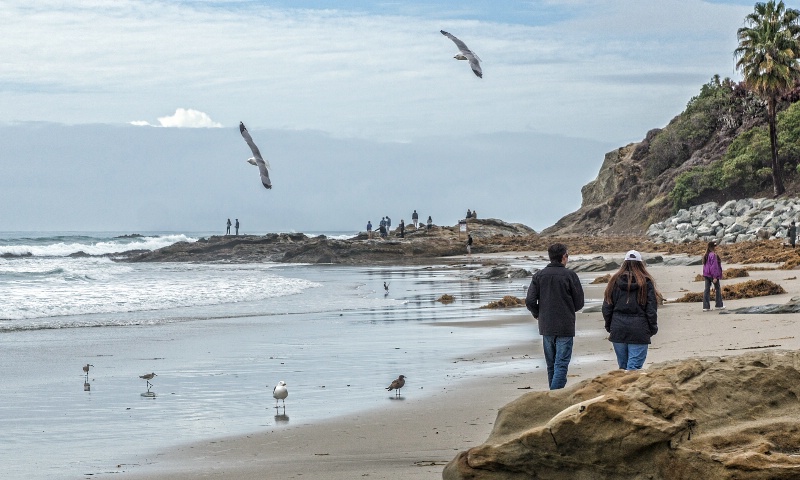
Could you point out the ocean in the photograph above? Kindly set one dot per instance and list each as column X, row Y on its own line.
column 218, row 336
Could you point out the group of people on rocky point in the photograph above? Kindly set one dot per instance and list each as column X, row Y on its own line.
column 630, row 308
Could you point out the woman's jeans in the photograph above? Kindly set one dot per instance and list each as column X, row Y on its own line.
column 557, row 354
column 630, row 356
column 707, row 294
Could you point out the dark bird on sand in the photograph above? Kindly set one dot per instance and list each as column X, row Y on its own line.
column 148, row 376
column 464, row 53
column 397, row 384
column 256, row 159
column 86, row 367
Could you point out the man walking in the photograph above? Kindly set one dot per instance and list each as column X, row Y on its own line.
column 792, row 234
column 553, row 298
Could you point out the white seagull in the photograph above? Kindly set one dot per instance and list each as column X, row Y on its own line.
column 280, row 393
column 397, row 384
column 464, row 53
column 256, row 159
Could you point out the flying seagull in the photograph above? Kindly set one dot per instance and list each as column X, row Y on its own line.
column 464, row 53
column 256, row 159
column 280, row 393
column 397, row 384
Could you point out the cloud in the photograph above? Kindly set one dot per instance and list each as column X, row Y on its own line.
column 379, row 72
column 183, row 118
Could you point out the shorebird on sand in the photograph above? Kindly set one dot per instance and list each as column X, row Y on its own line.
column 397, row 384
column 280, row 393
column 86, row 368
column 148, row 377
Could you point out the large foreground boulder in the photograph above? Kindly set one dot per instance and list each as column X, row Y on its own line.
column 708, row 418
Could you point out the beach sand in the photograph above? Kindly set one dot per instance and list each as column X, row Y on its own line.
column 413, row 438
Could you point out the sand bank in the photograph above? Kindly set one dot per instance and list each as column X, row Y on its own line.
column 413, row 438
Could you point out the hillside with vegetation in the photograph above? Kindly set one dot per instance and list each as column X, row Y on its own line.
column 717, row 149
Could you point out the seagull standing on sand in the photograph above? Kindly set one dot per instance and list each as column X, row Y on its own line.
column 280, row 393
column 397, row 384
column 86, row 368
column 256, row 159
column 464, row 53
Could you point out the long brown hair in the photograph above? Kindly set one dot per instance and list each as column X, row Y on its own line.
column 710, row 248
column 634, row 270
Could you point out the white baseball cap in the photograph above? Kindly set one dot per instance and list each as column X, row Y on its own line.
column 633, row 256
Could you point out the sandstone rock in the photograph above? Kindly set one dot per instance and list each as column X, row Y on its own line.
column 705, row 418
column 499, row 272
column 597, row 264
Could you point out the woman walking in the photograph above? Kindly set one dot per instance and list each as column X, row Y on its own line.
column 630, row 310
column 712, row 273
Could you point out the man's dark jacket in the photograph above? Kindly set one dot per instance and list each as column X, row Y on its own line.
column 553, row 298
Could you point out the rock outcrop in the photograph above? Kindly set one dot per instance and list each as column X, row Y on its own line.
column 490, row 235
column 736, row 221
column 710, row 418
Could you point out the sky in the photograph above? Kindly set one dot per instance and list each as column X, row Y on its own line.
column 123, row 115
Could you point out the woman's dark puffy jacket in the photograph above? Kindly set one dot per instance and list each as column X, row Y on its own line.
column 626, row 320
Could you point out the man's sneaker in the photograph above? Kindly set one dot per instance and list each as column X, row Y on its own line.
column 706, row 309
column 720, row 308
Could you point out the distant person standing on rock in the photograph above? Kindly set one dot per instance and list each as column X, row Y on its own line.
column 237, row 227
column 430, row 223
column 555, row 294
column 630, row 311
column 469, row 244
column 712, row 273
column 402, row 228
column 388, row 225
column 792, row 234
column 415, row 219
column 369, row 229
column 228, row 229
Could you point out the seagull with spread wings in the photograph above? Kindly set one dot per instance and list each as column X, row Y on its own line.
column 256, row 159
column 464, row 53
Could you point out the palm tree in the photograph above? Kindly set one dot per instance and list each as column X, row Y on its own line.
column 768, row 58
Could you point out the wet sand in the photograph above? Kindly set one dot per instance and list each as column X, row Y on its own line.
column 415, row 436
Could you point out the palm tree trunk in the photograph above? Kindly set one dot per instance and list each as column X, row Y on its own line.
column 777, row 168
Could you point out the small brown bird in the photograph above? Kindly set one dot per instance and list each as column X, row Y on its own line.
column 147, row 377
column 397, row 384
column 86, row 368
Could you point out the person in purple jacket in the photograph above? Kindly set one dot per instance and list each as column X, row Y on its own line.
column 712, row 272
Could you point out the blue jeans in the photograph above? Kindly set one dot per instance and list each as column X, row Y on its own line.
column 707, row 293
column 630, row 356
column 557, row 354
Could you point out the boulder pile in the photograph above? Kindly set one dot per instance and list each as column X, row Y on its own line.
column 736, row 221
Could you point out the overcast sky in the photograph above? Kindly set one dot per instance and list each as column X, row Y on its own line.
column 366, row 91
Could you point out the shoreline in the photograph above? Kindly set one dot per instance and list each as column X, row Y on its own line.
column 416, row 437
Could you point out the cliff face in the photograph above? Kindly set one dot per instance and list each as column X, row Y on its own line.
column 626, row 197
column 632, row 189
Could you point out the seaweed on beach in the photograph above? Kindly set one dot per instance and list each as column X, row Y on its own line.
column 748, row 289
column 728, row 274
column 509, row 301
column 445, row 299
column 602, row 279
